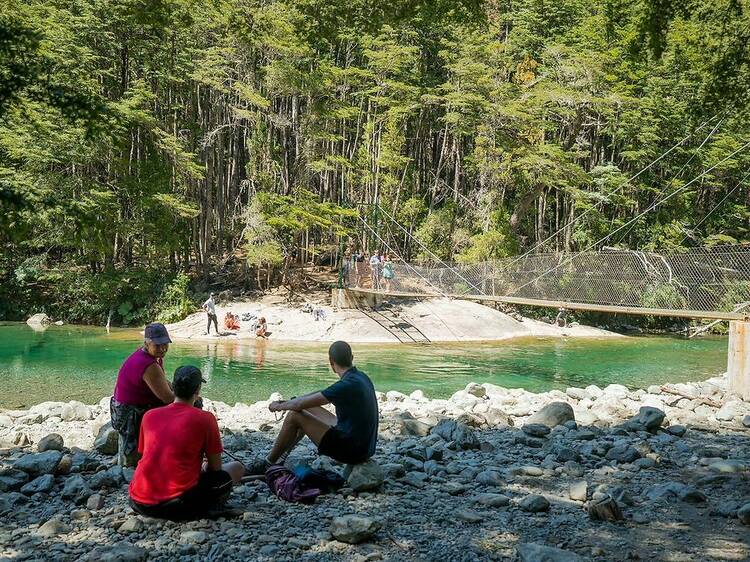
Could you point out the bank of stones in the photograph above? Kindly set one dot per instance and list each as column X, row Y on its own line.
column 488, row 474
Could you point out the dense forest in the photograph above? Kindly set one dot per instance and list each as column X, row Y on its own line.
column 151, row 148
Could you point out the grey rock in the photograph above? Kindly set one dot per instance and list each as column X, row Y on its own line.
column 728, row 466
column 460, row 433
column 12, row 479
column 415, row 427
column 95, row 502
column 416, row 479
column 193, row 537
column 130, row 525
column 121, row 552
column 37, row 464
column 80, row 515
column 353, row 529
column 536, row 429
column 469, row 516
column 676, row 490
column 649, row 417
column 456, row 488
column 553, row 414
column 677, row 430
column 529, row 441
column 566, row 454
column 52, row 528
column 270, row 550
column 434, row 453
column 531, row 471
column 743, row 514
column 489, row 478
column 110, row 478
column 746, row 421
column 534, row 503
column 493, row 500
column 83, row 462
column 76, row 488
column 532, row 552
column 39, row 485
column 622, row 453
column 106, row 440
column 51, row 442
column 394, row 470
column 39, row 319
column 578, row 490
column 366, row 476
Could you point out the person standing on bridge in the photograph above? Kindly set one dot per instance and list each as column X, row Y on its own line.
column 388, row 272
column 375, row 266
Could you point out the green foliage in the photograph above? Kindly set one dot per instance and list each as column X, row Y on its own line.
column 175, row 301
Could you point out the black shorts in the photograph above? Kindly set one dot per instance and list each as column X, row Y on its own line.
column 340, row 447
column 211, row 491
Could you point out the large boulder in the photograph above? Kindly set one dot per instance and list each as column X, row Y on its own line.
column 106, row 440
column 353, row 529
column 36, row 464
column 532, row 552
column 40, row 319
column 553, row 414
column 51, row 442
column 366, row 476
column 461, row 434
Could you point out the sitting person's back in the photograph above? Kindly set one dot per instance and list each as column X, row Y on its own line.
column 169, row 481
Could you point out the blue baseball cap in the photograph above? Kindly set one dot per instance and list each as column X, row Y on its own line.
column 157, row 333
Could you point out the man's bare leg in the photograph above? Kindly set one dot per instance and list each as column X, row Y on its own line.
column 313, row 423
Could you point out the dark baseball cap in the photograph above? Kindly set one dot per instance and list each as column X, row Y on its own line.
column 187, row 379
column 157, row 333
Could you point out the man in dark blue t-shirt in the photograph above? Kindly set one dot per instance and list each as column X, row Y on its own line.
column 349, row 436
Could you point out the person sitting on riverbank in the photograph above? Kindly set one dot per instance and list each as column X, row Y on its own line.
column 231, row 321
column 262, row 329
column 141, row 385
column 350, row 435
column 171, row 480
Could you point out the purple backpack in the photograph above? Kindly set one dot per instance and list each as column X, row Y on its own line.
column 288, row 487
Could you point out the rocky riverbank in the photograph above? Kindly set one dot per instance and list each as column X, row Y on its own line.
column 490, row 474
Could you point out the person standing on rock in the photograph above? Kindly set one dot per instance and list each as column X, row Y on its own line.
column 349, row 436
column 210, row 307
column 141, row 385
column 171, row 480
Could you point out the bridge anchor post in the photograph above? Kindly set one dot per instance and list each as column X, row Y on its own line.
column 738, row 360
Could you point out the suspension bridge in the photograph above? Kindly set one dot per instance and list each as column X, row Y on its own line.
column 710, row 283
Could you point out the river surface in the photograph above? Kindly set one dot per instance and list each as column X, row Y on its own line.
column 81, row 363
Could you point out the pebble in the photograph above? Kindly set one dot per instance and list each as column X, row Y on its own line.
column 493, row 500
column 578, row 491
column 130, row 525
column 193, row 537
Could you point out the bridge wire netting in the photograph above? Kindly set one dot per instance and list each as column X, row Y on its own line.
column 700, row 279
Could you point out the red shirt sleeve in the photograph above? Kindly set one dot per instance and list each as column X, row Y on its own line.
column 213, row 437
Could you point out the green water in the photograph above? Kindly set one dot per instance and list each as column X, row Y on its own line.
column 81, row 363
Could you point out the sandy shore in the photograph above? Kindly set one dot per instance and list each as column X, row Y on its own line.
column 435, row 320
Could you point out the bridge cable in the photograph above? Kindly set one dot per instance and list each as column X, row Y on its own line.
column 418, row 275
column 649, row 209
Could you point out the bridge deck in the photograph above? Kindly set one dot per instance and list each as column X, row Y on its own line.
column 642, row 311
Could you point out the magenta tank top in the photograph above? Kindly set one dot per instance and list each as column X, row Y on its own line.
column 130, row 387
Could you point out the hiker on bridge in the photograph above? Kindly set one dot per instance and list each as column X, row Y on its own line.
column 347, row 437
column 376, row 264
column 389, row 274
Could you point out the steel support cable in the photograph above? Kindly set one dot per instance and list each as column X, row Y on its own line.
column 392, row 218
column 719, row 204
column 648, row 210
column 417, row 273
column 685, row 165
column 620, row 187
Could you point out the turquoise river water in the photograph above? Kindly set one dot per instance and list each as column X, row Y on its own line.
column 81, row 363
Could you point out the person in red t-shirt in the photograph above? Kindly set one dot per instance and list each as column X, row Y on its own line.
column 171, row 481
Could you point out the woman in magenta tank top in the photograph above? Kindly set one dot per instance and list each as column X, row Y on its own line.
column 141, row 385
